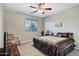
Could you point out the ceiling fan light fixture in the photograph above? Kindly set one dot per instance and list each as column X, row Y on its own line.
column 40, row 11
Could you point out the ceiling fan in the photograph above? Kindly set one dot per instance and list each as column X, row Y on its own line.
column 40, row 7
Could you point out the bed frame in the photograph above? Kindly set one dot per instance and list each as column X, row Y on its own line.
column 52, row 50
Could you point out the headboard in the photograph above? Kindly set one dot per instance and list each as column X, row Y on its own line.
column 67, row 34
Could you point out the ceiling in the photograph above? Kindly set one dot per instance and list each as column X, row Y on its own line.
column 24, row 8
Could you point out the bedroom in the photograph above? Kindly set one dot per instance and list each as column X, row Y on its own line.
column 61, row 18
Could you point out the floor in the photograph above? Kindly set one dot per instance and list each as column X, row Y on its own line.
column 29, row 50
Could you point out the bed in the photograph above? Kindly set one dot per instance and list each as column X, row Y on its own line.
column 59, row 45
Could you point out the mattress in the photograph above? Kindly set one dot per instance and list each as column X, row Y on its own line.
column 51, row 39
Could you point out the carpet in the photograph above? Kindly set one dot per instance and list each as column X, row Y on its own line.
column 29, row 50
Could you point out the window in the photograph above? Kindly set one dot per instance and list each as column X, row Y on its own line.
column 31, row 25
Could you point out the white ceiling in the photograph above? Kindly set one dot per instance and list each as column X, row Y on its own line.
column 24, row 8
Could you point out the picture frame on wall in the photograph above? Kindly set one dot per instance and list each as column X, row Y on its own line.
column 58, row 24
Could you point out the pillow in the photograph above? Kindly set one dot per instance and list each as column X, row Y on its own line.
column 52, row 34
column 67, row 35
column 59, row 35
column 62, row 34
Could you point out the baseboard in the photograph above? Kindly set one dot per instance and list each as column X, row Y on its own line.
column 25, row 42
column 1, row 49
column 76, row 48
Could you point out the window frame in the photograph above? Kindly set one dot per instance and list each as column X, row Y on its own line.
column 26, row 19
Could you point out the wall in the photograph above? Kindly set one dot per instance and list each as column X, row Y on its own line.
column 70, row 20
column 1, row 27
column 14, row 24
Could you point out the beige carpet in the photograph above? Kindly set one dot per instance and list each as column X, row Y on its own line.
column 29, row 50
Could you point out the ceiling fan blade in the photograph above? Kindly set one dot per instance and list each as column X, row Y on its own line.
column 33, row 7
column 47, row 8
column 34, row 11
column 40, row 4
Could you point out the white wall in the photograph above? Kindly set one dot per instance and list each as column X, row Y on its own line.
column 1, row 27
column 14, row 24
column 70, row 20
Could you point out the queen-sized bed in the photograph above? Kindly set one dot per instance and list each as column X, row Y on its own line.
column 55, row 46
